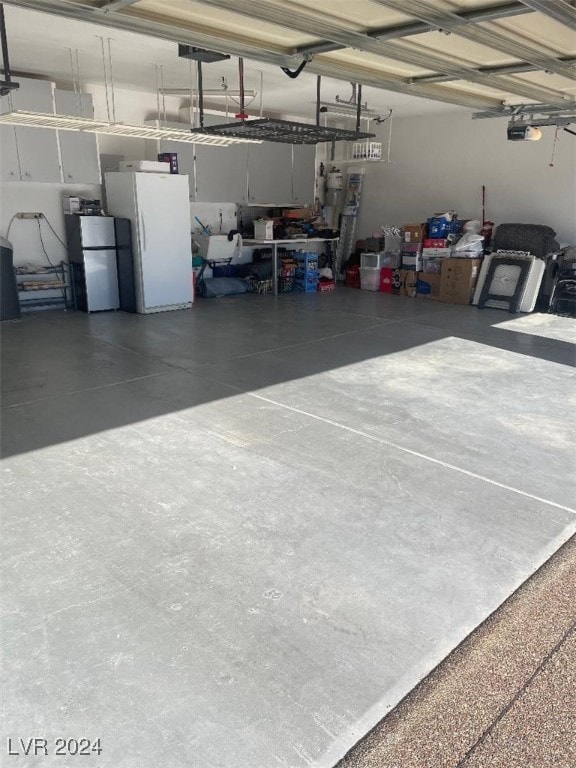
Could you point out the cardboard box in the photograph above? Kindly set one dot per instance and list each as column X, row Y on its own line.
column 144, row 166
column 298, row 213
column 428, row 286
column 458, row 280
column 264, row 229
column 408, row 282
column 412, row 261
column 432, row 252
column 414, row 233
column 411, row 248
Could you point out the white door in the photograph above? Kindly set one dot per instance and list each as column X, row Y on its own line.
column 163, row 211
column 221, row 174
column 38, row 148
column 39, row 154
column 101, row 280
column 303, row 173
column 78, row 150
column 270, row 173
column 9, row 166
column 97, row 231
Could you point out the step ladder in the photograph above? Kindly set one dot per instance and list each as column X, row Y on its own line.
column 350, row 212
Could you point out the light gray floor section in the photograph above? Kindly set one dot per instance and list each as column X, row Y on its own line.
column 239, row 535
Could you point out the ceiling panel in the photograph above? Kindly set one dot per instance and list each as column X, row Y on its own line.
column 272, row 30
column 362, row 13
column 545, row 32
column 465, row 52
column 228, row 24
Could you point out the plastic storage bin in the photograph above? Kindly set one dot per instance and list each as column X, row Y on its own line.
column 370, row 278
column 378, row 260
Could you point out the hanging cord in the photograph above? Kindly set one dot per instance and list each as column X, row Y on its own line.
column 9, row 226
column 318, row 88
column 56, row 235
column 293, row 74
column 551, row 164
column 379, row 119
column 43, row 246
column 358, row 107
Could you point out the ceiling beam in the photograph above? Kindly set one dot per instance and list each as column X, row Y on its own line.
column 181, row 33
column 284, row 16
column 560, row 10
column 501, row 69
column 115, row 5
column 504, row 43
column 489, row 13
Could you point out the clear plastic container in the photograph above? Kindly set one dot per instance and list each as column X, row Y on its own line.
column 370, row 278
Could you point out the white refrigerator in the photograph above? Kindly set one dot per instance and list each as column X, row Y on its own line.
column 158, row 206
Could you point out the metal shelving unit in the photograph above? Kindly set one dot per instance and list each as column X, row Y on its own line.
column 47, row 288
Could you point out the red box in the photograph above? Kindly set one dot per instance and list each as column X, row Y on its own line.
column 436, row 242
column 386, row 279
column 352, row 277
column 326, row 285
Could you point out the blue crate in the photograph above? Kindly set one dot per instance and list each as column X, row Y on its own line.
column 306, row 274
column 306, row 259
column 309, row 285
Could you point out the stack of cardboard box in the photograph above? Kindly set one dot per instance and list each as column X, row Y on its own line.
column 429, row 272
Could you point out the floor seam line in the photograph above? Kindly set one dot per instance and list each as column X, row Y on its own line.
column 410, row 451
column 87, row 389
column 292, row 346
column 523, row 688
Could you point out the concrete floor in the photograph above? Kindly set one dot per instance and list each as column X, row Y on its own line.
column 240, row 535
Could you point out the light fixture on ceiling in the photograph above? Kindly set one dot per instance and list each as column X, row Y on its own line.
column 346, row 110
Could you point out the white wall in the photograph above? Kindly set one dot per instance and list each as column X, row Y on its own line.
column 16, row 197
column 440, row 162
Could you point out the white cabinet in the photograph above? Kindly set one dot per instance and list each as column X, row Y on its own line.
column 9, row 166
column 39, row 154
column 270, row 173
column 221, row 174
column 78, row 150
column 303, row 173
column 37, row 148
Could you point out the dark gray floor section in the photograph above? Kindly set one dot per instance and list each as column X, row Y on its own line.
column 239, row 535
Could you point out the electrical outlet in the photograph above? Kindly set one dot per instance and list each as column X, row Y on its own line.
column 29, row 215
